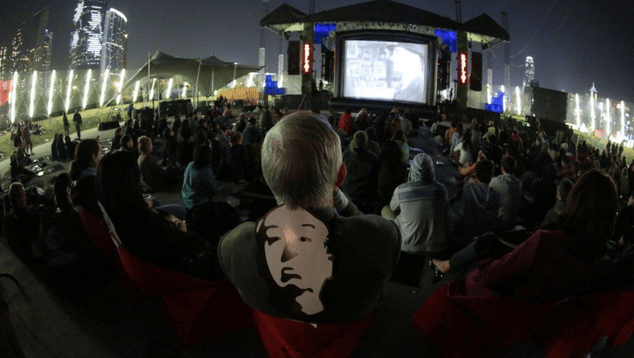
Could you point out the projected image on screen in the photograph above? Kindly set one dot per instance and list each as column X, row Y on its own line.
column 383, row 70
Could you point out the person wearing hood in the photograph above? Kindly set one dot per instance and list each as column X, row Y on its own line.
column 252, row 134
column 363, row 169
column 420, row 209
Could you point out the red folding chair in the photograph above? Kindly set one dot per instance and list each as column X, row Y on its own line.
column 99, row 234
column 284, row 338
column 197, row 309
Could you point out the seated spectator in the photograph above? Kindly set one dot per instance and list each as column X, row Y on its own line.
column 21, row 223
column 362, row 122
column 151, row 235
column 62, row 154
column 199, row 184
column 481, row 203
column 362, row 167
column 465, row 150
column 200, row 136
column 303, row 268
column 116, row 140
column 406, row 126
column 161, row 125
column 18, row 172
column 392, row 172
column 373, row 146
column 70, row 147
column 400, row 138
column 22, row 156
column 510, row 190
column 252, row 134
column 127, row 144
column 456, row 138
column 185, row 147
column 567, row 171
column 228, row 113
column 152, row 175
column 266, row 120
column 235, row 163
column 450, row 132
column 82, row 171
column 241, row 123
column 170, row 147
column 625, row 219
column 562, row 196
column 54, row 147
column 345, row 123
column 420, row 208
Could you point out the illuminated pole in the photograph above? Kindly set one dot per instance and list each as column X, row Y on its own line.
column 235, row 67
column 86, row 88
column 50, row 94
column 607, row 115
column 14, row 94
column 33, row 83
column 577, row 110
column 121, row 78
column 106, row 75
column 184, row 90
column 592, row 110
column 169, row 88
column 70, row 82
column 152, row 90
column 136, row 91
column 623, row 118
column 519, row 100
column 504, row 97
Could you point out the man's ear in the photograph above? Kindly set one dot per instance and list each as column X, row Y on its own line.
column 341, row 176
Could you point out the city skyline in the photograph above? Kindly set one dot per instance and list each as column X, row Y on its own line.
column 573, row 43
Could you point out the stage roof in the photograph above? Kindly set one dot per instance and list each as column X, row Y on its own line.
column 288, row 19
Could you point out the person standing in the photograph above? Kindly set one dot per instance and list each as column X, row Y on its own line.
column 78, row 123
column 66, row 124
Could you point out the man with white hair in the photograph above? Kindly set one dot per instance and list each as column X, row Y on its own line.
column 313, row 258
column 420, row 208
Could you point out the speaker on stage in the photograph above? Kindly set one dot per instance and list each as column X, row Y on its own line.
column 476, row 71
column 293, row 57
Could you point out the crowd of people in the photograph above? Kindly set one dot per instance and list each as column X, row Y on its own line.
column 351, row 199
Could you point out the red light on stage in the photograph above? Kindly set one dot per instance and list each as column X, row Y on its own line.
column 307, row 57
column 463, row 68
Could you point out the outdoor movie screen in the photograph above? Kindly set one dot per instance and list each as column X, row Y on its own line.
column 385, row 70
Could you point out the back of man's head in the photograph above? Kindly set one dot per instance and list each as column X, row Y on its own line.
column 484, row 171
column 15, row 194
column 508, row 164
column 301, row 158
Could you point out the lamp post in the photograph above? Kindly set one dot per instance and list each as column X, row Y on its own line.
column 235, row 67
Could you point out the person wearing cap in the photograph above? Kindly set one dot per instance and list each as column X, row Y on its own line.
column 420, row 209
column 363, row 169
column 409, row 62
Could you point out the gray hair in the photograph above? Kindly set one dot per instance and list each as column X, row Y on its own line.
column 422, row 168
column 301, row 157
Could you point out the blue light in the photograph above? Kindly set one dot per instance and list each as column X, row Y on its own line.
column 497, row 103
column 323, row 30
column 271, row 87
column 448, row 37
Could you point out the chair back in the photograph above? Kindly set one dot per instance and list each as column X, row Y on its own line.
column 284, row 338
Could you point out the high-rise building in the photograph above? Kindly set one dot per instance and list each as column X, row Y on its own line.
column 529, row 71
column 87, row 34
column 113, row 52
column 40, row 41
column 19, row 52
column 4, row 61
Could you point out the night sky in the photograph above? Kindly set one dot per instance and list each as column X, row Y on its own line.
column 573, row 42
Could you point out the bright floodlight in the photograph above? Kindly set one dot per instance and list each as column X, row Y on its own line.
column 68, row 88
column 592, row 110
column 623, row 118
column 607, row 116
column 14, row 94
column 50, row 94
column 136, row 91
column 489, row 94
column 577, row 110
column 169, row 88
column 184, row 90
column 33, row 83
column 519, row 100
column 152, row 90
column 121, row 78
column 86, row 88
column 104, row 81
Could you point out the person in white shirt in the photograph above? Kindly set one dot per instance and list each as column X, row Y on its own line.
column 510, row 190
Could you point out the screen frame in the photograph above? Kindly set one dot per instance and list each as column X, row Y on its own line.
column 389, row 36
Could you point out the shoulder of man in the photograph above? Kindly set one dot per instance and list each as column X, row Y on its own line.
column 235, row 246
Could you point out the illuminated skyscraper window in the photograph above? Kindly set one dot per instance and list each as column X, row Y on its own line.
column 113, row 53
column 87, row 34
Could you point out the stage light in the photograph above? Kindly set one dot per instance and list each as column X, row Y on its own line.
column 14, row 94
column 152, row 89
column 169, row 88
column 185, row 90
column 33, row 83
column 50, row 94
column 121, row 78
column 68, row 88
column 519, row 100
column 577, row 110
column 86, row 89
column 136, row 92
column 103, row 86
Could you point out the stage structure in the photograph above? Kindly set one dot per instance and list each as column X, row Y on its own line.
column 384, row 54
